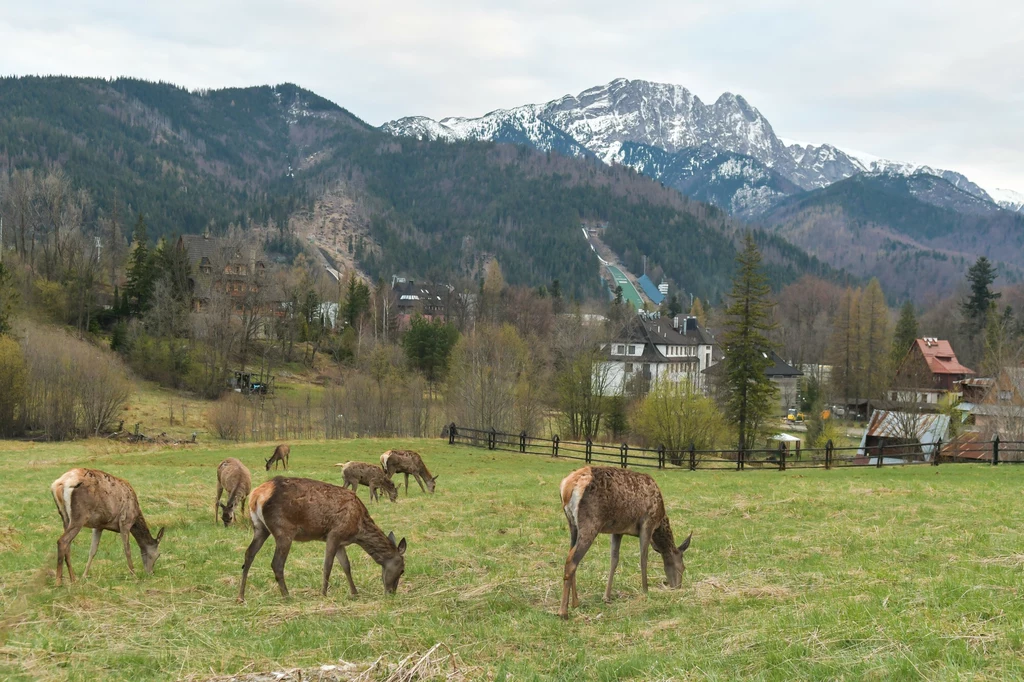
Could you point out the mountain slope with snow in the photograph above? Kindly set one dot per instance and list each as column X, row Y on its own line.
column 602, row 120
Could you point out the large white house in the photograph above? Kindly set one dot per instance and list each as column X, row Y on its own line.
column 653, row 348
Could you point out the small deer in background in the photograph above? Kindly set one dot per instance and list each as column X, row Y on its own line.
column 89, row 498
column 234, row 477
column 281, row 453
column 408, row 462
column 370, row 475
column 302, row 510
column 620, row 502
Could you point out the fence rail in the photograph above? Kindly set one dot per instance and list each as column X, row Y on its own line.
column 782, row 457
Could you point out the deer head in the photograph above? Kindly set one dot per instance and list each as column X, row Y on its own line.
column 227, row 514
column 394, row 567
column 268, row 463
column 674, row 566
column 391, row 489
column 151, row 552
column 431, row 483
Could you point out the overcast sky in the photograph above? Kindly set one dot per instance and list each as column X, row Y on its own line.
column 935, row 82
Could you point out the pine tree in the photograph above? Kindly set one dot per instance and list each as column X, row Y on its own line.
column 141, row 271
column 995, row 341
column 904, row 336
column 975, row 307
column 748, row 348
column 674, row 306
column 697, row 310
column 873, row 342
column 844, row 346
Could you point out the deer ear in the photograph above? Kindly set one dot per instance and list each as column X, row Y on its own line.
column 159, row 534
column 686, row 543
column 401, row 546
column 436, row 477
column 391, row 536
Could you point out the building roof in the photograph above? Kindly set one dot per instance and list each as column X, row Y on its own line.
column 651, row 290
column 780, row 368
column 939, row 355
column 888, row 424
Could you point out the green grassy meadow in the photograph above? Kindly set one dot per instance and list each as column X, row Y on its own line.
column 899, row 573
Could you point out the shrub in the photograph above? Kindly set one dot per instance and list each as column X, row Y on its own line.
column 73, row 388
column 227, row 417
column 13, row 380
column 676, row 415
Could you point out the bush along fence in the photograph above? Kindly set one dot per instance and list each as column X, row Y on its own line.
column 782, row 457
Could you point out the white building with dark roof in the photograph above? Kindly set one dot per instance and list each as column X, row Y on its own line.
column 652, row 348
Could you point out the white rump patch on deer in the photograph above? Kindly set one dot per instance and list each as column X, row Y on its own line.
column 384, row 459
column 572, row 489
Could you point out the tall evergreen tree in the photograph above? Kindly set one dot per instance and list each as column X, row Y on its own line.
column 141, row 271
column 843, row 349
column 904, row 336
column 975, row 307
column 874, row 337
column 748, row 347
column 428, row 347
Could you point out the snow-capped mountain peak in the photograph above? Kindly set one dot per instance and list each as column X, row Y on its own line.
column 601, row 119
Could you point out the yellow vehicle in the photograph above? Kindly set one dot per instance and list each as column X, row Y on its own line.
column 794, row 416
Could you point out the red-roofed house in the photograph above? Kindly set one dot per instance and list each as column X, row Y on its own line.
column 929, row 370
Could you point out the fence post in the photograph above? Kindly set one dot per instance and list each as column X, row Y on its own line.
column 739, row 458
column 881, row 452
column 782, row 456
column 554, row 446
column 693, row 457
column 828, row 454
column 589, row 450
column 451, row 434
column 492, row 439
column 661, row 456
column 522, row 441
column 624, row 454
column 937, row 454
column 995, row 450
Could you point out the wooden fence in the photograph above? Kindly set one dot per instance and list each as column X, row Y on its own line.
column 781, row 458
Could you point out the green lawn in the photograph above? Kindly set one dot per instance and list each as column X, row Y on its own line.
column 900, row 573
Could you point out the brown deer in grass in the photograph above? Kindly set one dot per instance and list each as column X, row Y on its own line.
column 88, row 498
column 408, row 462
column 302, row 510
column 281, row 453
column 370, row 475
column 234, row 477
column 620, row 502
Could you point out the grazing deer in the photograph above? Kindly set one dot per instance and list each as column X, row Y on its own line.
column 620, row 502
column 302, row 510
column 235, row 478
column 88, row 498
column 281, row 453
column 369, row 475
column 407, row 462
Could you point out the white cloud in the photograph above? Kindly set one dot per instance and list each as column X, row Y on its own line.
column 936, row 83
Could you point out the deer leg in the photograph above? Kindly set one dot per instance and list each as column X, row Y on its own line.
column 259, row 536
column 616, row 541
column 333, row 544
column 64, row 552
column 645, row 545
column 419, row 479
column 342, row 558
column 574, row 533
column 96, row 533
column 584, row 539
column 286, row 462
column 284, row 545
column 216, row 505
column 373, row 493
column 125, row 539
column 407, row 484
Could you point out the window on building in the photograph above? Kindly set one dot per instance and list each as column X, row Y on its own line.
column 632, row 350
column 617, row 349
column 1005, row 396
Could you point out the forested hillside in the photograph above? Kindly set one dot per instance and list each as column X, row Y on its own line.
column 915, row 233
column 192, row 161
